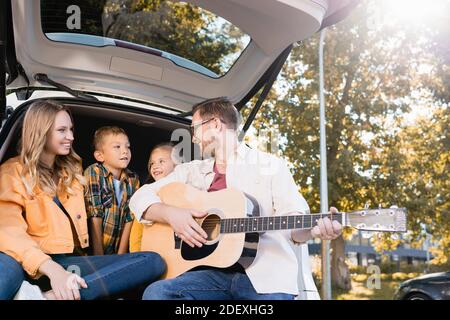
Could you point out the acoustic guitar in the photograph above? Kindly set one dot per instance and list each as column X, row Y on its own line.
column 233, row 225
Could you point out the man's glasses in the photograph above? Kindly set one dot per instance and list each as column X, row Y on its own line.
column 194, row 127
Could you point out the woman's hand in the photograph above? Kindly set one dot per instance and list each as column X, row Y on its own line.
column 65, row 285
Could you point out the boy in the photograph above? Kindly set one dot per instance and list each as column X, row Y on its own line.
column 110, row 186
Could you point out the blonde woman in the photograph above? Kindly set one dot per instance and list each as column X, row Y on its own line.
column 43, row 228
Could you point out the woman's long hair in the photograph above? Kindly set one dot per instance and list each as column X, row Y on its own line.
column 37, row 128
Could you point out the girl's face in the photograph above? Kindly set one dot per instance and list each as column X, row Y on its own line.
column 60, row 138
column 161, row 163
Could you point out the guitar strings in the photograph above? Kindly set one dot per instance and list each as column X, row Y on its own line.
column 248, row 222
column 260, row 219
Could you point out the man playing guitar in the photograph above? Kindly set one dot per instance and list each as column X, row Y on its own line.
column 230, row 164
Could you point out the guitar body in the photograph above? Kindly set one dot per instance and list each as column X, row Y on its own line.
column 221, row 249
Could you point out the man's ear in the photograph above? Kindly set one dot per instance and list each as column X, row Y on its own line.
column 219, row 125
column 98, row 155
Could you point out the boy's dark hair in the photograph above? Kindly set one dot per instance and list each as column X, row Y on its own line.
column 221, row 108
column 102, row 132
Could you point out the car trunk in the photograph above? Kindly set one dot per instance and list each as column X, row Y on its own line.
column 145, row 129
column 29, row 52
column 131, row 70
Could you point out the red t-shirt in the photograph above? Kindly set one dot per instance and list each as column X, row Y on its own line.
column 219, row 182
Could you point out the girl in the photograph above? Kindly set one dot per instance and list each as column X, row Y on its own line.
column 160, row 164
column 43, row 228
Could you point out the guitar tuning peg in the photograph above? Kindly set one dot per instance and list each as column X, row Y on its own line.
column 366, row 206
column 394, row 207
column 379, row 206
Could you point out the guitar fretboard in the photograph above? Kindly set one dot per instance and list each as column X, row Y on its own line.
column 260, row 224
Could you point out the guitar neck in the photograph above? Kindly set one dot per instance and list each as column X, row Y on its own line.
column 261, row 224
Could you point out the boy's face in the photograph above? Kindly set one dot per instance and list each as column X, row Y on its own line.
column 161, row 163
column 115, row 151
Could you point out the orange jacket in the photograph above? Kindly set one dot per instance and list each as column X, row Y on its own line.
column 32, row 227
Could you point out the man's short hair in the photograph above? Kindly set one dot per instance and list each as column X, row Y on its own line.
column 101, row 133
column 221, row 108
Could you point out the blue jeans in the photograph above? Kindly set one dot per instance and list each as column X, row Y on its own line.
column 11, row 276
column 209, row 284
column 110, row 274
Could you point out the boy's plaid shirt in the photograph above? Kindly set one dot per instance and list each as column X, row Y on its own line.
column 101, row 202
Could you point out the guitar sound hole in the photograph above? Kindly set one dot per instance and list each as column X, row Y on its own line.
column 211, row 225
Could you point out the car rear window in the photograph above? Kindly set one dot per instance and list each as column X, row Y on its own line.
column 188, row 35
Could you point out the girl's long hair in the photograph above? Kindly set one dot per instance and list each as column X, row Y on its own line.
column 37, row 128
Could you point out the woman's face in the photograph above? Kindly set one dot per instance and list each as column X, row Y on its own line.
column 60, row 139
column 161, row 163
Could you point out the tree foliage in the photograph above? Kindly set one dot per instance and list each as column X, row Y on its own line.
column 177, row 28
column 376, row 153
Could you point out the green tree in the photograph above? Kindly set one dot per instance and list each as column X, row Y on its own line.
column 420, row 179
column 175, row 27
column 178, row 28
column 371, row 77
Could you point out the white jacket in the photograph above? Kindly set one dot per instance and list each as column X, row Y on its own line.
column 266, row 178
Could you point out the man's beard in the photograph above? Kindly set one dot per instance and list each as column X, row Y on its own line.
column 208, row 149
